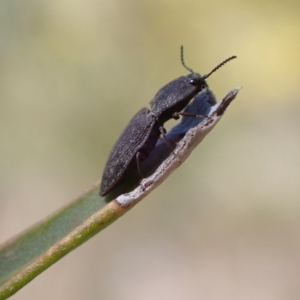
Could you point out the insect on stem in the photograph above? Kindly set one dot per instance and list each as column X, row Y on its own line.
column 140, row 136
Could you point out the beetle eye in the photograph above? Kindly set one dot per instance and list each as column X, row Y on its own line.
column 203, row 87
column 193, row 81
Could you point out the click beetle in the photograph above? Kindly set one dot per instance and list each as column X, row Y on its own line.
column 143, row 131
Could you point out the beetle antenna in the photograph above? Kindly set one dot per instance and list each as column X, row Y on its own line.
column 182, row 60
column 219, row 66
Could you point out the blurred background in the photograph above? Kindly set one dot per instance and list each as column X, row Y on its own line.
column 73, row 73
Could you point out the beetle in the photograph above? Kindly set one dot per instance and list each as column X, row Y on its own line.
column 202, row 104
column 143, row 131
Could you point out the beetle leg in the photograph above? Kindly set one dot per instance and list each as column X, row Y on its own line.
column 177, row 114
column 163, row 132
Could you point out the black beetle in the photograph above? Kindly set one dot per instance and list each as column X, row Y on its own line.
column 202, row 104
column 143, row 131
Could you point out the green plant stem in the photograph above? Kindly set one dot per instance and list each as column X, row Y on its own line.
column 98, row 221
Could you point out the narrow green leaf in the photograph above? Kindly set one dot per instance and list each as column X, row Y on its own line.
column 30, row 253
column 30, row 244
